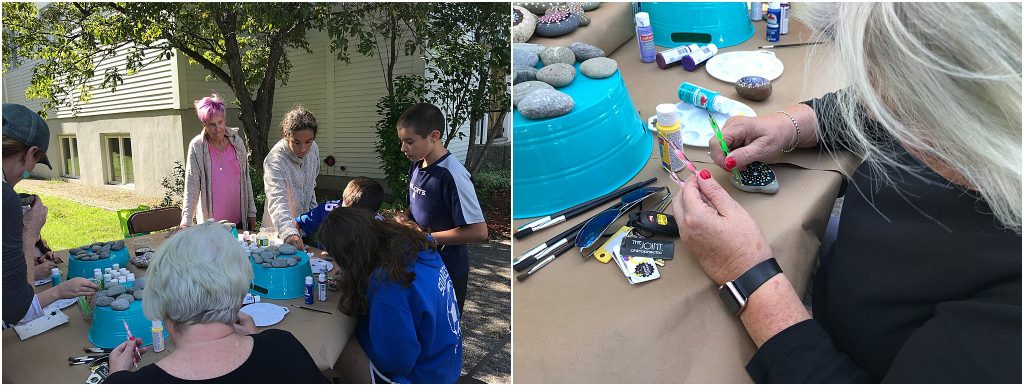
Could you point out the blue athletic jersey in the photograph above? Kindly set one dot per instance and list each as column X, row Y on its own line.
column 412, row 334
column 441, row 197
column 310, row 221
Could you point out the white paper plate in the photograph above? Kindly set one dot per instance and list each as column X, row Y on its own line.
column 695, row 127
column 43, row 281
column 731, row 66
column 265, row 314
column 319, row 264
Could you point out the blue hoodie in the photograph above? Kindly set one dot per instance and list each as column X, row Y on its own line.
column 412, row 334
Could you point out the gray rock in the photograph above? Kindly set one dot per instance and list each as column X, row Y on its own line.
column 117, row 290
column 267, row 255
column 140, row 283
column 287, row 249
column 556, row 24
column 104, row 254
column 524, row 57
column 119, row 245
column 757, row 178
column 523, row 24
column 130, row 291
column 258, row 259
column 599, row 68
column 98, row 243
column 279, row 263
column 545, row 104
column 103, row 301
column 266, row 265
column 557, row 75
column 553, row 55
column 272, row 248
column 101, row 293
column 524, row 74
column 120, row 305
column 96, row 248
column 126, row 297
column 590, row 6
column 138, row 294
column 74, row 251
column 584, row 51
column 292, row 261
column 521, row 90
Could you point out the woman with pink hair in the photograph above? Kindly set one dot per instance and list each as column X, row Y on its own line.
column 217, row 171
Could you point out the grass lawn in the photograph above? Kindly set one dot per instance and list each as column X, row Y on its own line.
column 71, row 224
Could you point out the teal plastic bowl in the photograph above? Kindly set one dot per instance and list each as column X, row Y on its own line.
column 282, row 283
column 78, row 268
column 725, row 24
column 107, row 330
column 564, row 161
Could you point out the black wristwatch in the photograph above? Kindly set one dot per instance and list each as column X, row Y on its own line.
column 735, row 293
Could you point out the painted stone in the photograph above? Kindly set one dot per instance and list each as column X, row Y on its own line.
column 545, row 104
column 599, row 68
column 553, row 55
column 754, row 88
column 536, row 7
column 557, row 75
column 590, row 6
column 556, row 24
column 573, row 8
column 524, row 23
column 757, row 178
column 521, row 90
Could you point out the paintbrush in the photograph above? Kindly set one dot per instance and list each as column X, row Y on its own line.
column 789, row 45
column 311, row 309
column 131, row 338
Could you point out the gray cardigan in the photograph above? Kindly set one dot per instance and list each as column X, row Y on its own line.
column 197, row 180
column 289, row 182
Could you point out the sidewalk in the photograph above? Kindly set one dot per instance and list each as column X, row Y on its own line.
column 486, row 325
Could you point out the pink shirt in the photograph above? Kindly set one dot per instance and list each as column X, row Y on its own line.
column 226, row 189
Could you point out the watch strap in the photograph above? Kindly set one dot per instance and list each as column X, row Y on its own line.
column 751, row 280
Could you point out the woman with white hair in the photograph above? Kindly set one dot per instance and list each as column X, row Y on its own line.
column 923, row 281
column 195, row 285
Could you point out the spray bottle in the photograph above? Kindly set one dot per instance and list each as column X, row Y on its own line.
column 645, row 37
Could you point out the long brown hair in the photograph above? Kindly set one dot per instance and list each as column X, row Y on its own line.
column 361, row 244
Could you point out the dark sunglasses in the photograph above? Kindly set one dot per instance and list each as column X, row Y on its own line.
column 597, row 225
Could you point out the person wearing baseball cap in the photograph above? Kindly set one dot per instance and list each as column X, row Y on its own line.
column 26, row 138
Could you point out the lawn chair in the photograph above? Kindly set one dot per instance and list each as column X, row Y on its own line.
column 149, row 221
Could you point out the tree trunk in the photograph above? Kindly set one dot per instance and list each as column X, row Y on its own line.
column 492, row 133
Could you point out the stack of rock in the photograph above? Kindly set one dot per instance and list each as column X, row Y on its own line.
column 119, row 297
column 548, row 19
column 96, row 251
column 534, row 91
column 275, row 256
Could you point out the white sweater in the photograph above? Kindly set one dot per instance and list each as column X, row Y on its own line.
column 289, row 182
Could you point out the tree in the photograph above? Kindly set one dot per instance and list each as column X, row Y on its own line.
column 243, row 45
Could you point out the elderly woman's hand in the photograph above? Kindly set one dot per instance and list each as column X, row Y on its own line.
column 123, row 356
column 717, row 230
column 245, row 325
column 751, row 139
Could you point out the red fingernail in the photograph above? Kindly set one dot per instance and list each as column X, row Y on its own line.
column 705, row 174
column 730, row 163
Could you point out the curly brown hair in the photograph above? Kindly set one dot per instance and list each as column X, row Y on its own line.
column 298, row 119
column 361, row 244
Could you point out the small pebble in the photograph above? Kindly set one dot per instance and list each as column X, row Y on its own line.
column 104, row 254
column 521, row 90
column 553, row 55
column 140, row 283
column 74, row 251
column 272, row 248
column 545, row 104
column 267, row 265
column 120, row 305
column 524, row 74
column 138, row 294
column 757, row 178
column 267, row 255
column 96, row 248
column 754, row 88
column 556, row 24
column 585, row 51
column 292, row 261
column 119, row 245
column 126, row 297
column 557, row 75
column 524, row 57
column 279, row 263
column 101, row 293
column 590, row 6
column 258, row 259
column 287, row 249
column 104, row 301
column 117, row 290
column 599, row 68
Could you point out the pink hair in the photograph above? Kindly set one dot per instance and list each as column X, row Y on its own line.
column 209, row 106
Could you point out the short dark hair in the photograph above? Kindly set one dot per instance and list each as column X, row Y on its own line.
column 298, row 119
column 363, row 192
column 422, row 118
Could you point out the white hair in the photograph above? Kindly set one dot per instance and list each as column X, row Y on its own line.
column 198, row 276
column 944, row 79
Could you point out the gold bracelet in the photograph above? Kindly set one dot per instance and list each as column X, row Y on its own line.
column 796, row 136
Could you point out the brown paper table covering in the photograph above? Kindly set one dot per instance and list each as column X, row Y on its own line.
column 580, row 321
column 43, row 358
column 610, row 26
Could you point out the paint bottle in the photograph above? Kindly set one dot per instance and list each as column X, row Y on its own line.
column 322, row 288
column 784, row 18
column 774, row 14
column 706, row 99
column 692, row 60
column 671, row 57
column 668, row 126
column 55, row 276
column 116, row 267
column 107, row 281
column 645, row 37
column 158, row 336
column 756, row 11
column 309, row 290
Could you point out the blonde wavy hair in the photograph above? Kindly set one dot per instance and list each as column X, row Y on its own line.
column 944, row 79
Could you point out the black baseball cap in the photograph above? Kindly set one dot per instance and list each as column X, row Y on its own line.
column 27, row 127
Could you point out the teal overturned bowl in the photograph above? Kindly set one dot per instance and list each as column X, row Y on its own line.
column 282, row 283
column 107, row 330
column 564, row 161
column 84, row 269
column 725, row 24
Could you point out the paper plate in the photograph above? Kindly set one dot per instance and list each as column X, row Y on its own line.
column 265, row 314
column 43, row 281
column 695, row 127
column 320, row 265
column 731, row 66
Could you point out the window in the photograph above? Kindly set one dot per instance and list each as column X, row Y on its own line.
column 120, row 170
column 69, row 156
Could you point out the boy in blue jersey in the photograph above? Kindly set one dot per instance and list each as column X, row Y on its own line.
column 442, row 199
column 361, row 192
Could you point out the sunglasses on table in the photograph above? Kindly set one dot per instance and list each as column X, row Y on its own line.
column 597, row 225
